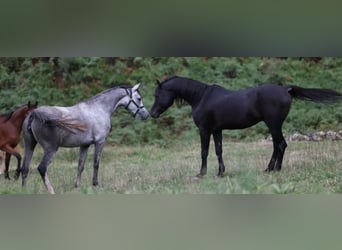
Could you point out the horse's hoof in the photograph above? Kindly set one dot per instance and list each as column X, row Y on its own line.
column 267, row 170
column 198, row 177
column 220, row 175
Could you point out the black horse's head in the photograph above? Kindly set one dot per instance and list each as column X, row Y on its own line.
column 163, row 99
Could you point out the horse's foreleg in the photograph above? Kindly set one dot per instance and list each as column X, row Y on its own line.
column 7, row 162
column 97, row 156
column 11, row 151
column 81, row 161
column 218, row 149
column 205, row 139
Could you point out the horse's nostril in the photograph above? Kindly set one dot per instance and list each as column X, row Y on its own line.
column 153, row 115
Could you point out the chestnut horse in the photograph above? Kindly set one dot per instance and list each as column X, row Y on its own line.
column 10, row 129
column 3, row 117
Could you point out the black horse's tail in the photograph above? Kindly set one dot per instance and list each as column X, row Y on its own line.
column 314, row 94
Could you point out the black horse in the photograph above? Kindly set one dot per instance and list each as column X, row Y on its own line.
column 215, row 108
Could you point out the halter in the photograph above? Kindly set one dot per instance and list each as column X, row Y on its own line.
column 132, row 101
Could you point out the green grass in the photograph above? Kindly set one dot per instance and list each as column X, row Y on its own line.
column 308, row 167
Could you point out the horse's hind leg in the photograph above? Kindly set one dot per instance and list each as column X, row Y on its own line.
column 218, row 149
column 42, row 168
column 273, row 160
column 282, row 146
column 83, row 156
column 279, row 146
column 30, row 144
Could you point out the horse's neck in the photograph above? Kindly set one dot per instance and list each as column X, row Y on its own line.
column 191, row 91
column 17, row 118
column 108, row 101
column 117, row 102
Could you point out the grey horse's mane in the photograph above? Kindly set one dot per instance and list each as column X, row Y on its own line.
column 99, row 95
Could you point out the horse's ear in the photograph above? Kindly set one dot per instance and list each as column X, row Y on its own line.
column 158, row 82
column 29, row 104
column 36, row 104
column 136, row 87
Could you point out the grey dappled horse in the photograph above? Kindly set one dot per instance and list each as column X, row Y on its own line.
column 81, row 125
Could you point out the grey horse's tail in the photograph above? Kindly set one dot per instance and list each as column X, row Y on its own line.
column 65, row 124
column 29, row 124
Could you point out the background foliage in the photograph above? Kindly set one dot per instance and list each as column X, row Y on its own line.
column 66, row 81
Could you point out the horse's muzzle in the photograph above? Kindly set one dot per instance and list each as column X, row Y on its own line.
column 143, row 114
column 144, row 117
column 154, row 114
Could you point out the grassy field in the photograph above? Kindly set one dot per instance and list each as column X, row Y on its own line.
column 309, row 167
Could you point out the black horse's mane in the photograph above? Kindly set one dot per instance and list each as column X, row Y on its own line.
column 178, row 100
column 169, row 79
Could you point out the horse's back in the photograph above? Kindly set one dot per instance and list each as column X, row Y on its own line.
column 227, row 109
column 238, row 109
column 68, row 126
column 53, row 111
column 273, row 94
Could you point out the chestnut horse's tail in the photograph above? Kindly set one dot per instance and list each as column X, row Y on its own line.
column 314, row 94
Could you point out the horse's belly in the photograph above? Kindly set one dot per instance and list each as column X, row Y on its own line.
column 228, row 120
column 239, row 124
column 75, row 141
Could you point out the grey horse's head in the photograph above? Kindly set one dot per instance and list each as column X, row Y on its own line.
column 135, row 104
